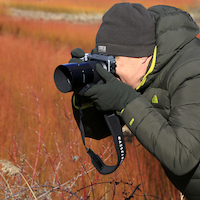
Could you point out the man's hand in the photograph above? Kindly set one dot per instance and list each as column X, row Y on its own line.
column 76, row 55
column 113, row 95
column 79, row 53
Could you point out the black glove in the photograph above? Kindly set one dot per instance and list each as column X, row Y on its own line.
column 76, row 55
column 113, row 95
column 79, row 53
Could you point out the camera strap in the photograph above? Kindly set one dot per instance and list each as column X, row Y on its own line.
column 115, row 128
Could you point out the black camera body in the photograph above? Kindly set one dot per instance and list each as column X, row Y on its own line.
column 73, row 76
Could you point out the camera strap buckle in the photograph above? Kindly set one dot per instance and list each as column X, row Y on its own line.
column 114, row 125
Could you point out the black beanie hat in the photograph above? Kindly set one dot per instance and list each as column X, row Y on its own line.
column 127, row 30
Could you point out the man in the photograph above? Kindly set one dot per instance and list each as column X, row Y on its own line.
column 157, row 91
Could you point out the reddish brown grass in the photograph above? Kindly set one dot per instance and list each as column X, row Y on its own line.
column 38, row 132
column 55, row 33
column 88, row 6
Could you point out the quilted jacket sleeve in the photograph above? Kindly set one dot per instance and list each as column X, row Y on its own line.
column 175, row 141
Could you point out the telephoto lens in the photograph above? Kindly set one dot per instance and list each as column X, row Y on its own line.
column 72, row 76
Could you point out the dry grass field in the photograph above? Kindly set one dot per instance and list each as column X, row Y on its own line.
column 88, row 6
column 38, row 133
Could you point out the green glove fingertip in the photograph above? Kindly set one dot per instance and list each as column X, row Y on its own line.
column 94, row 51
column 103, row 73
column 77, row 53
column 75, row 60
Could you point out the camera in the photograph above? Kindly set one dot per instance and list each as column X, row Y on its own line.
column 73, row 76
column 79, row 77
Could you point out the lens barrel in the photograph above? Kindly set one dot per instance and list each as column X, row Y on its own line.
column 72, row 76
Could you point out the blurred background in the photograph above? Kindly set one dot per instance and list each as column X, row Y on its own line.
column 38, row 132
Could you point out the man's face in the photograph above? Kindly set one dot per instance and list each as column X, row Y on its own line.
column 131, row 70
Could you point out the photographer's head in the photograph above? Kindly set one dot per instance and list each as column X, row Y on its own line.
column 128, row 33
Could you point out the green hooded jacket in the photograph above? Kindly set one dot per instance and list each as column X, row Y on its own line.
column 166, row 117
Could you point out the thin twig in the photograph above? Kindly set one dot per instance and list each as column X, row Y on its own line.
column 6, row 183
column 28, row 186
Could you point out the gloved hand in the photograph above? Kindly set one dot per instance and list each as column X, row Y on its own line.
column 76, row 55
column 113, row 95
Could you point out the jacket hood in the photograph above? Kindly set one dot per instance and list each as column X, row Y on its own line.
column 174, row 29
